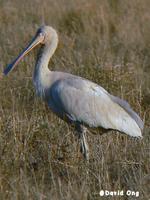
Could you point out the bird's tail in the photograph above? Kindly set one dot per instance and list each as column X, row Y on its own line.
column 135, row 132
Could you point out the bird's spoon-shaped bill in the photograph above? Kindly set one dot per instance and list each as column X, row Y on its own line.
column 35, row 41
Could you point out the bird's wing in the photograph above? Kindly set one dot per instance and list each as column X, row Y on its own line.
column 128, row 109
column 87, row 102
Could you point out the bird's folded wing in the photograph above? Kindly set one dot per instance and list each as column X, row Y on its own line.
column 86, row 102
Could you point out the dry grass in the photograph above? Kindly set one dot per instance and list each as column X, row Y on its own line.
column 105, row 41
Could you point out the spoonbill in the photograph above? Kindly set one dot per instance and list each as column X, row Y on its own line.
column 75, row 99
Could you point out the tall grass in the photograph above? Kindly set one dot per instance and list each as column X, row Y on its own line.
column 104, row 41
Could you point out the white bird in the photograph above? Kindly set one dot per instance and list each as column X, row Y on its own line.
column 75, row 99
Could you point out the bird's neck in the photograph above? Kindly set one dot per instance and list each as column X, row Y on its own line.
column 41, row 77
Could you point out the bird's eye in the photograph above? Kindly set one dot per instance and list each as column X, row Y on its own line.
column 39, row 31
column 41, row 34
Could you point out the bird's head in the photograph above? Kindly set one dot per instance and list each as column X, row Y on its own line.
column 47, row 32
column 44, row 35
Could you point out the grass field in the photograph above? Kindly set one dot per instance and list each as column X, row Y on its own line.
column 107, row 42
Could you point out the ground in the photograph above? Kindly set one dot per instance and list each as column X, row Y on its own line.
column 105, row 41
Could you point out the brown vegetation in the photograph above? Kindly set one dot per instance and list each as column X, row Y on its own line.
column 105, row 41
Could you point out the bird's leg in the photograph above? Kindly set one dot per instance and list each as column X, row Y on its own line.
column 83, row 144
